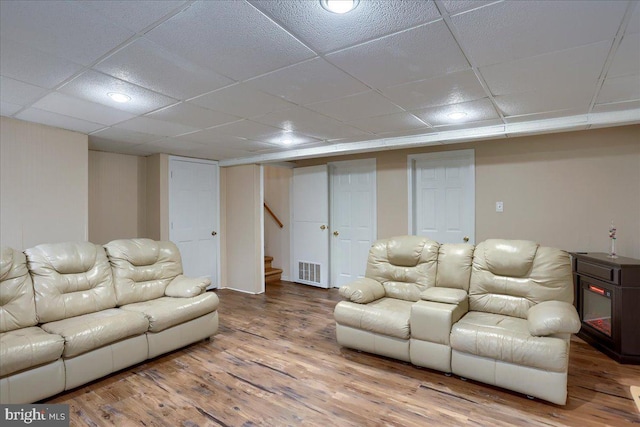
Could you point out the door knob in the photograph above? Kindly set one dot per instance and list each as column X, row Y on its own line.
column 322, row 227
column 335, row 233
column 213, row 233
column 465, row 238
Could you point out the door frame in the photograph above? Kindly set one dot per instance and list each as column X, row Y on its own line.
column 374, row 200
column 452, row 154
column 217, row 198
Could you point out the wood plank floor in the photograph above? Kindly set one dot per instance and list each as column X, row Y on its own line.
column 275, row 362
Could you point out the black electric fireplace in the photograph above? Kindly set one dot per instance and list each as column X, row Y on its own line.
column 608, row 302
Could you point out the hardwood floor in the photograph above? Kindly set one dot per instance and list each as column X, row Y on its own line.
column 275, row 362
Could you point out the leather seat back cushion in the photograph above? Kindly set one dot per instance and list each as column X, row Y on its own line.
column 17, row 301
column 26, row 348
column 509, row 276
column 454, row 265
column 405, row 265
column 142, row 268
column 70, row 279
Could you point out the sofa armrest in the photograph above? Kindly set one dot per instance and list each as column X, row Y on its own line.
column 362, row 290
column 553, row 317
column 185, row 287
column 444, row 295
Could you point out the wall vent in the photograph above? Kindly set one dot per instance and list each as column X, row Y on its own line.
column 308, row 272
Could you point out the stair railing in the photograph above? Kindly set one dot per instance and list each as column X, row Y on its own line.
column 273, row 215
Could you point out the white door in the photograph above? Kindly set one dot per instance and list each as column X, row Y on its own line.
column 310, row 232
column 193, row 215
column 353, row 218
column 442, row 196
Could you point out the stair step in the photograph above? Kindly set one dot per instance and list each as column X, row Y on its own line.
column 267, row 262
column 272, row 274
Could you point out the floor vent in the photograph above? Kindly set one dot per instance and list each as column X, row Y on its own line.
column 308, row 272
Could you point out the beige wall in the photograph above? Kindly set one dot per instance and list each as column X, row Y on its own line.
column 117, row 196
column 43, row 184
column 277, row 241
column 157, row 197
column 560, row 189
column 242, row 204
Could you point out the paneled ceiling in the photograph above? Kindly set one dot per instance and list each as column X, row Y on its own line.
column 269, row 80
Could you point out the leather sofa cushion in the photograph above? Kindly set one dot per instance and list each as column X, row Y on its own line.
column 27, row 348
column 94, row 330
column 444, row 295
column 508, row 339
column 17, row 301
column 547, row 279
column 70, row 279
column 512, row 258
column 142, row 268
column 454, row 265
column 166, row 312
column 184, row 287
column 386, row 316
column 408, row 263
column 362, row 290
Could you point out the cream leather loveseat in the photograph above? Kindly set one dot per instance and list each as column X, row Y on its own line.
column 499, row 312
column 74, row 312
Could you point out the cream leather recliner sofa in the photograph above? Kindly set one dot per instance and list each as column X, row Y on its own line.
column 499, row 312
column 70, row 314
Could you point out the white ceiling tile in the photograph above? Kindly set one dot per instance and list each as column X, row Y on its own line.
column 349, row 108
column 134, row 15
column 214, row 152
column 450, row 88
column 304, row 121
column 61, row 28
column 175, row 146
column 618, row 106
column 478, row 110
column 201, row 34
column 634, row 22
column 398, row 122
column 476, row 123
column 192, row 115
column 8, row 109
column 148, row 65
column 618, row 89
column 232, row 132
column 549, row 99
column 311, row 81
column 94, row 86
column 627, row 58
column 457, row 6
column 544, row 116
column 420, row 131
column 155, row 127
column 58, row 120
column 516, row 29
column 325, row 31
column 241, row 100
column 22, row 62
column 73, row 107
column 421, row 53
column 580, row 67
column 123, row 135
column 19, row 93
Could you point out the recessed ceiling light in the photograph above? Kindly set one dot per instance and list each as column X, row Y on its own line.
column 287, row 141
column 119, row 97
column 339, row 6
column 457, row 115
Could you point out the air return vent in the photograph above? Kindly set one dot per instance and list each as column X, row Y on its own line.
column 308, row 272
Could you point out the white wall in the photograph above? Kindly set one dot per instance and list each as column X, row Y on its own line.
column 43, row 184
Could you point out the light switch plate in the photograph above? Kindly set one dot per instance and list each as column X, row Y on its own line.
column 499, row 207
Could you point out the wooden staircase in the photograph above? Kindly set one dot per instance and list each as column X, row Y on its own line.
column 271, row 274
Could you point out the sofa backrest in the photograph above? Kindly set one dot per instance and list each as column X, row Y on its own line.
column 510, row 276
column 454, row 265
column 70, row 279
column 405, row 265
column 142, row 268
column 17, row 302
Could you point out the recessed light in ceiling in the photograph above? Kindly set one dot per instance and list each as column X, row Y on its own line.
column 457, row 115
column 119, row 97
column 287, row 141
column 339, row 6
